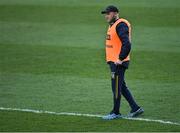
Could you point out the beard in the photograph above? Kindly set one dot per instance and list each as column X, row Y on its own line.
column 113, row 20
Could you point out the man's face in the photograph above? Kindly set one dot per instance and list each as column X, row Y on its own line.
column 110, row 16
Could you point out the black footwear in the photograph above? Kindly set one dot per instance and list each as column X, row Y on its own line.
column 136, row 113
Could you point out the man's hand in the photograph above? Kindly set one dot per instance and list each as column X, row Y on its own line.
column 118, row 62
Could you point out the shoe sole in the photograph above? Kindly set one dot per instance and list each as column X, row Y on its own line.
column 118, row 117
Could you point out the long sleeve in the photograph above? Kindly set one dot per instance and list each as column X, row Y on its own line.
column 123, row 33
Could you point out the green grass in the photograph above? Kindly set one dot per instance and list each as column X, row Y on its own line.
column 52, row 58
column 44, row 122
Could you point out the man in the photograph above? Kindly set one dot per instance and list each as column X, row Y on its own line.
column 118, row 46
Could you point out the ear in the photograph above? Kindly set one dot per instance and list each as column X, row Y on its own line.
column 117, row 14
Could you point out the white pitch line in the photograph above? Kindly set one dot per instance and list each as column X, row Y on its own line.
column 86, row 115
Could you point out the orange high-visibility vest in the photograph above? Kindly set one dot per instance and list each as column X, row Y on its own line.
column 113, row 42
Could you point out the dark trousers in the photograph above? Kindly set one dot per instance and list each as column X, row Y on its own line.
column 119, row 87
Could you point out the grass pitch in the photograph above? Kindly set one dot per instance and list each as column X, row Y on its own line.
column 52, row 58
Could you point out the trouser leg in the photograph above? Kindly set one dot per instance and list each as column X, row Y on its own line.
column 128, row 96
column 117, row 78
column 116, row 94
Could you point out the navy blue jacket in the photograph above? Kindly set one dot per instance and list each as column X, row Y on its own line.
column 123, row 32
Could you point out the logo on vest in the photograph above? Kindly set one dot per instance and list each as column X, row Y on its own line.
column 108, row 37
column 109, row 46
